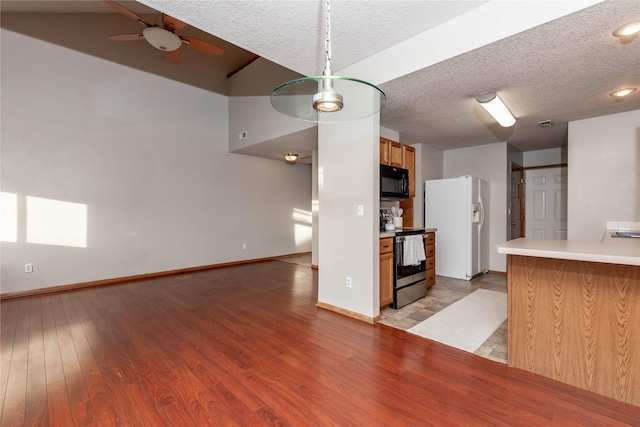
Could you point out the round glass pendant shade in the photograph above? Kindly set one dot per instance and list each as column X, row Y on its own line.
column 359, row 99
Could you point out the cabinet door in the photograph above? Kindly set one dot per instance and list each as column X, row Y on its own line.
column 384, row 151
column 409, row 163
column 395, row 154
column 386, row 279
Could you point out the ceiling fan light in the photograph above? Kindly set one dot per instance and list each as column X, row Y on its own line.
column 290, row 157
column 627, row 30
column 498, row 110
column 162, row 39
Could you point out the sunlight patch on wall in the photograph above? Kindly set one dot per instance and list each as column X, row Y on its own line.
column 8, row 217
column 301, row 216
column 302, row 228
column 302, row 234
column 53, row 222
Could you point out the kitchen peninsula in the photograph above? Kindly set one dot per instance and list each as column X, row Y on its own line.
column 574, row 312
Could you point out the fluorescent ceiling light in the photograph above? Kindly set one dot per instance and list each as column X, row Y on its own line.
column 621, row 93
column 494, row 106
column 627, row 30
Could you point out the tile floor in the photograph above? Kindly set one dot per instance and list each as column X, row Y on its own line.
column 445, row 292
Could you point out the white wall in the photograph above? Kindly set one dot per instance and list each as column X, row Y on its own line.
column 604, row 174
column 389, row 134
column 547, row 157
column 146, row 158
column 488, row 162
column 315, row 222
column 261, row 122
column 348, row 244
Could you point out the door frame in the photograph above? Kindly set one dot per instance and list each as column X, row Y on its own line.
column 521, row 194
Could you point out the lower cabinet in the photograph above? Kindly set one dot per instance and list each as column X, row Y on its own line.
column 387, row 265
column 430, row 252
column 386, row 271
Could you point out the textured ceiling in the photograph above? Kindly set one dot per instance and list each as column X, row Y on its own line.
column 560, row 70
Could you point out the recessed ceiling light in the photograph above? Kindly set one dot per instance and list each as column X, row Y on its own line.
column 621, row 93
column 627, row 30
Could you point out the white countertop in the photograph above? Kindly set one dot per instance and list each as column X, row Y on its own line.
column 611, row 250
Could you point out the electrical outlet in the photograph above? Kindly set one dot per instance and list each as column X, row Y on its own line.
column 348, row 282
column 28, row 268
column 244, row 246
column 243, row 135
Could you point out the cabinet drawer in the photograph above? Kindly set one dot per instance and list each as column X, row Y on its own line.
column 431, row 262
column 386, row 245
column 430, row 250
column 430, row 239
column 431, row 277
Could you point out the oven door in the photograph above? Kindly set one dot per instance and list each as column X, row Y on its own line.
column 406, row 274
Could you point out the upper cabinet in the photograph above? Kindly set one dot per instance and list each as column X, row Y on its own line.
column 409, row 163
column 393, row 153
column 390, row 153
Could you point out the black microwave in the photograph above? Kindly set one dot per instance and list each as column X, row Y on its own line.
column 394, row 183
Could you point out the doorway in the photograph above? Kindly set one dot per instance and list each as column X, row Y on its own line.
column 517, row 202
column 546, row 202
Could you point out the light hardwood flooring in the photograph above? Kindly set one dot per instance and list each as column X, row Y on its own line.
column 445, row 292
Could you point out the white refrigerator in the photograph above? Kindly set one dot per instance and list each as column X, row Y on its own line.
column 458, row 207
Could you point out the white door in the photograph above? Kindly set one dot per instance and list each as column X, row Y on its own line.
column 546, row 203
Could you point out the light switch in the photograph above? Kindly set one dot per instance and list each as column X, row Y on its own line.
column 360, row 210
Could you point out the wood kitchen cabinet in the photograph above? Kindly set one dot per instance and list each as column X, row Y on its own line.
column 403, row 156
column 409, row 163
column 384, row 151
column 386, row 271
column 391, row 153
column 430, row 252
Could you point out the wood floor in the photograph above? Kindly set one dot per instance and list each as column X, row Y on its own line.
column 246, row 346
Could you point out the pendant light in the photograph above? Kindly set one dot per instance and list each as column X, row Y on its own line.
column 327, row 98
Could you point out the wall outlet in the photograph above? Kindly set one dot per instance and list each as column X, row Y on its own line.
column 244, row 246
column 243, row 135
column 28, row 268
column 348, row 282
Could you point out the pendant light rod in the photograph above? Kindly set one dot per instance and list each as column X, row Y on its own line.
column 327, row 100
column 327, row 42
column 316, row 98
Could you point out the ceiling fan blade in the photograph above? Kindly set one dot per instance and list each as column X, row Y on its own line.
column 174, row 56
column 202, row 46
column 172, row 24
column 126, row 12
column 126, row 37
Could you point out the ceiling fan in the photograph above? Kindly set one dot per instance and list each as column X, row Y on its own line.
column 163, row 37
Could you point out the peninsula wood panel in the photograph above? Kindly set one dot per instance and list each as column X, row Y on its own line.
column 576, row 322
